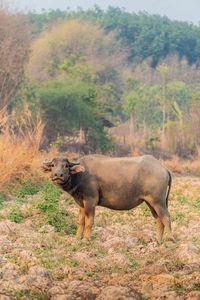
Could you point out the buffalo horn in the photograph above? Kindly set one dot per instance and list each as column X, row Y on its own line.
column 45, row 162
column 71, row 163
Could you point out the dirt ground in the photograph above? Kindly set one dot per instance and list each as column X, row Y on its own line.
column 122, row 260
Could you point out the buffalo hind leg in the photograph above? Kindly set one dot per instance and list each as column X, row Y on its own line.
column 89, row 219
column 81, row 222
column 164, row 215
column 160, row 226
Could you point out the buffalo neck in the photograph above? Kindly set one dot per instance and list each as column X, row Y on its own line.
column 71, row 185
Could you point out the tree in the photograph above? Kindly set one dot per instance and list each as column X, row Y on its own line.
column 79, row 38
column 14, row 47
column 68, row 105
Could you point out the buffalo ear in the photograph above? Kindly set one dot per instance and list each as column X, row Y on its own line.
column 76, row 169
column 45, row 169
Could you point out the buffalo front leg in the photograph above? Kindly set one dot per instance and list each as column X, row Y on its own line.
column 89, row 219
column 81, row 222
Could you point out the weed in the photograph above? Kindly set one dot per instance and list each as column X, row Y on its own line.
column 92, row 274
column 197, row 203
column 135, row 264
column 93, row 237
column 16, row 215
column 145, row 209
column 174, row 265
column 48, row 262
column 196, row 287
column 73, row 262
column 2, row 199
column 182, row 199
column 177, row 287
column 26, row 293
column 120, row 220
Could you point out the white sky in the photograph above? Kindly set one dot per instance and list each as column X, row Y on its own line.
column 184, row 10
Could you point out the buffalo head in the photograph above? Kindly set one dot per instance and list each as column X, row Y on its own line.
column 61, row 169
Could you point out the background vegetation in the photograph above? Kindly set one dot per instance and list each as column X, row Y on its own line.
column 99, row 81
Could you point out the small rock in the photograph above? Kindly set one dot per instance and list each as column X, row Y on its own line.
column 47, row 228
column 7, row 226
column 83, row 289
column 116, row 258
column 4, row 297
column 194, row 295
column 55, row 290
column 9, row 271
column 188, row 253
column 38, row 278
column 118, row 293
column 164, row 278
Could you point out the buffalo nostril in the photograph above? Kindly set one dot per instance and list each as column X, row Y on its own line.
column 55, row 174
column 61, row 175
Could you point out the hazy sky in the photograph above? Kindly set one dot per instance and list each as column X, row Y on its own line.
column 185, row 10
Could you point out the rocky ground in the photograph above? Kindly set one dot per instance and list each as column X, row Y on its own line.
column 41, row 258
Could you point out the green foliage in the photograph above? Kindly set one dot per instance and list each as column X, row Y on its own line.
column 16, row 215
column 54, row 214
column 27, row 188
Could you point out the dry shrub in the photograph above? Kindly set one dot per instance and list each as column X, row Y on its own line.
column 19, row 145
column 186, row 167
column 174, row 165
column 192, row 168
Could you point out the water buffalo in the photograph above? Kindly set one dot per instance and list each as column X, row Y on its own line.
column 117, row 183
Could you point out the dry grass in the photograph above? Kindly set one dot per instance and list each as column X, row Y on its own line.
column 19, row 145
column 42, row 259
column 176, row 165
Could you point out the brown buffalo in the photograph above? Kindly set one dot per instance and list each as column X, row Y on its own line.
column 116, row 183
